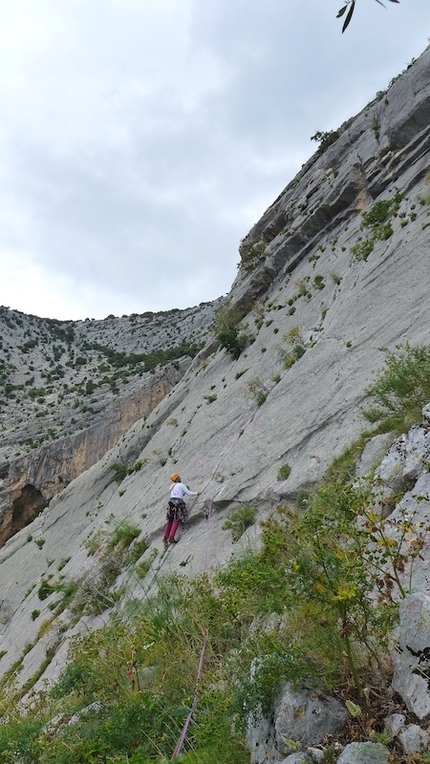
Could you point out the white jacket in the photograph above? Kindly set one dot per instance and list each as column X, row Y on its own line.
column 179, row 490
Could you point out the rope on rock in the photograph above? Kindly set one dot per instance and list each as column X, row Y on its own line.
column 179, row 744
column 184, row 730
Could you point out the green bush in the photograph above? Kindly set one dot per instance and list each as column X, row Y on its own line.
column 233, row 341
column 73, row 678
column 325, row 139
column 401, row 389
column 18, row 739
column 251, row 255
column 123, row 535
column 283, row 472
column 239, row 520
column 137, row 550
column 381, row 211
column 122, row 470
column 145, row 361
column 288, row 358
column 383, row 231
column 319, row 282
column 144, row 567
column 362, row 249
column 45, row 589
column 260, row 397
column 93, row 594
column 227, row 330
column 332, row 575
column 256, row 391
column 378, row 220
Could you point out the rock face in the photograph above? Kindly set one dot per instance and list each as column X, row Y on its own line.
column 335, row 271
column 411, row 661
column 364, row 753
column 302, row 718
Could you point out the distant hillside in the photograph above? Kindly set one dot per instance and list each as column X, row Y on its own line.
column 56, row 377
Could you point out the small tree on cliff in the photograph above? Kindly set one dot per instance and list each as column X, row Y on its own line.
column 227, row 330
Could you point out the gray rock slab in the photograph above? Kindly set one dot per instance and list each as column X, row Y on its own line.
column 364, row 753
column 394, row 724
column 306, row 717
column 297, row 758
column 373, row 453
column 414, row 739
column 411, row 662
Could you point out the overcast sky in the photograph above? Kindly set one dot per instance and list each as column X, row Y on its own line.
column 141, row 139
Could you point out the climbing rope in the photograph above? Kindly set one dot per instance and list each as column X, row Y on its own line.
column 179, row 744
column 184, row 730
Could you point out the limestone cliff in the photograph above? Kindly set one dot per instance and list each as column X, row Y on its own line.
column 335, row 271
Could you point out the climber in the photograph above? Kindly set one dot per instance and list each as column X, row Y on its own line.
column 176, row 510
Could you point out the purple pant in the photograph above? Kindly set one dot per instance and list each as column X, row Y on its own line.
column 170, row 529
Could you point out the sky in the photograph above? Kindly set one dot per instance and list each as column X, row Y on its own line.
column 140, row 140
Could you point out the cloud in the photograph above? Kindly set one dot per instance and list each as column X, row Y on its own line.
column 140, row 140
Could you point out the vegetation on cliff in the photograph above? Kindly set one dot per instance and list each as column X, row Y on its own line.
column 316, row 602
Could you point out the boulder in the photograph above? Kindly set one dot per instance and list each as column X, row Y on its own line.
column 412, row 658
column 300, row 718
column 364, row 753
column 414, row 739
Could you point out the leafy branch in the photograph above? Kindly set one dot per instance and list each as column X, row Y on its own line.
column 350, row 7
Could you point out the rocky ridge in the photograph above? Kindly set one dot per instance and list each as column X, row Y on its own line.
column 336, row 270
column 57, row 376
